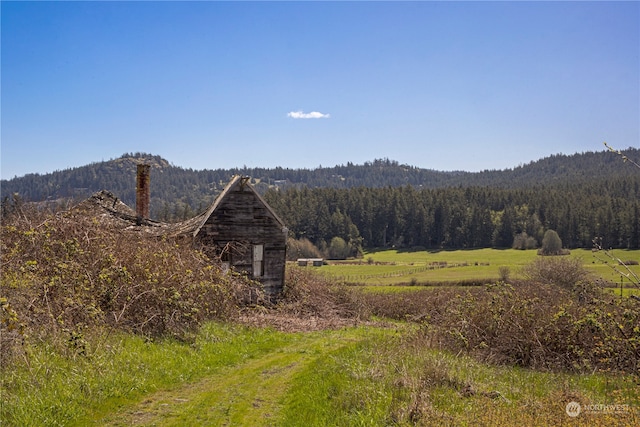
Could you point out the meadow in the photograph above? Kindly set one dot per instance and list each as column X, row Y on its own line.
column 460, row 267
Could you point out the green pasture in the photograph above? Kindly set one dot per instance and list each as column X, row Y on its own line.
column 239, row 376
column 393, row 267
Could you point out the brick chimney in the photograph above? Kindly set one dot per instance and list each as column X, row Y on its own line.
column 142, row 192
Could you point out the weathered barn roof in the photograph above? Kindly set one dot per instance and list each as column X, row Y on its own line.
column 108, row 208
column 237, row 181
column 105, row 206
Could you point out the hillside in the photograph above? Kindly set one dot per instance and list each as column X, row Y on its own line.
column 176, row 184
column 572, row 194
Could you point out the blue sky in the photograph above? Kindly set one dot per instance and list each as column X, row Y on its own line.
column 440, row 85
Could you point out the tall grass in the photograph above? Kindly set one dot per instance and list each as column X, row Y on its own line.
column 402, row 382
column 53, row 389
column 343, row 378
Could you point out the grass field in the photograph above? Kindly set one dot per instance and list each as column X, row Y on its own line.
column 392, row 267
column 232, row 375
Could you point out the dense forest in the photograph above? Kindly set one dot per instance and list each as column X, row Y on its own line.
column 471, row 217
column 383, row 203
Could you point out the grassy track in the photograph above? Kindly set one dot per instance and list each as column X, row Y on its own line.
column 249, row 393
column 358, row 376
column 236, row 376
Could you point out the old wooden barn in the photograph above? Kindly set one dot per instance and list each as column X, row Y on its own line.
column 247, row 235
column 239, row 228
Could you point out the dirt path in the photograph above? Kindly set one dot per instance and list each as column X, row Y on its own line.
column 247, row 394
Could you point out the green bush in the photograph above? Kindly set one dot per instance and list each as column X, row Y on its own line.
column 552, row 244
column 338, row 248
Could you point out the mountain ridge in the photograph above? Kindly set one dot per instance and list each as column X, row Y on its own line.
column 193, row 189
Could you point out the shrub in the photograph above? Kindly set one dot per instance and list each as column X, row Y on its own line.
column 307, row 293
column 524, row 241
column 66, row 272
column 505, row 273
column 561, row 271
column 529, row 325
column 301, row 248
column 414, row 306
column 542, row 326
column 535, row 325
column 551, row 244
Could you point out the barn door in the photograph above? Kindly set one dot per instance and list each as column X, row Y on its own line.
column 258, row 260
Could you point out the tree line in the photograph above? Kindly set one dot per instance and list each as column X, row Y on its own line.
column 471, row 217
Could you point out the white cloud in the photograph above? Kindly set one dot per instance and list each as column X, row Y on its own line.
column 311, row 115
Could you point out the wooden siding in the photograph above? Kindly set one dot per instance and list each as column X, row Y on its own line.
column 239, row 221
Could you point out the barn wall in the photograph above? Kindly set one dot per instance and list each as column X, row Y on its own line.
column 273, row 279
column 241, row 219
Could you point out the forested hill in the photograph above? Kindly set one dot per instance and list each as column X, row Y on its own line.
column 176, row 189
